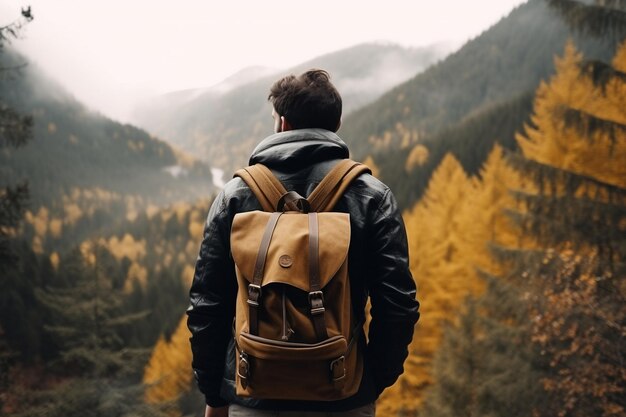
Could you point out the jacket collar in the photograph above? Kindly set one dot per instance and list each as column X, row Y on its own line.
column 299, row 147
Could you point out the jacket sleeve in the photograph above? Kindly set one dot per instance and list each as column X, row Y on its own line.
column 394, row 308
column 212, row 297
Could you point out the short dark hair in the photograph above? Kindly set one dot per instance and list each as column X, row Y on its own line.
column 309, row 100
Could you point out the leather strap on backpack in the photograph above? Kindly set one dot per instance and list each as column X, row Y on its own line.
column 269, row 190
column 331, row 188
column 316, row 296
column 254, row 288
column 265, row 186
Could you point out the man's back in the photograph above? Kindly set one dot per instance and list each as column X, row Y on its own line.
column 377, row 262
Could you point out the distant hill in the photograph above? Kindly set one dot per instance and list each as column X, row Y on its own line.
column 222, row 128
column 160, row 112
column 479, row 95
column 75, row 148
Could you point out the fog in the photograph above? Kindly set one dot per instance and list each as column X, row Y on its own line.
column 111, row 55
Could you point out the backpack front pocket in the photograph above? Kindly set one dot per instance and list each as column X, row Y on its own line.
column 265, row 367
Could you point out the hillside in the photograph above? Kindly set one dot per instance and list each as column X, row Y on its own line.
column 477, row 96
column 158, row 113
column 408, row 171
column 223, row 128
column 137, row 274
column 75, row 148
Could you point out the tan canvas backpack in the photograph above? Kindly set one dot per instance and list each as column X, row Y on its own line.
column 295, row 330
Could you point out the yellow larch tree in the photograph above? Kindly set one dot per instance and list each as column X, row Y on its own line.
column 486, row 222
column 578, row 126
column 168, row 373
column 442, row 275
column 417, row 157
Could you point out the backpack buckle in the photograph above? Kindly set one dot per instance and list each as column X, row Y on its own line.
column 338, row 369
column 243, row 370
column 316, row 301
column 254, row 293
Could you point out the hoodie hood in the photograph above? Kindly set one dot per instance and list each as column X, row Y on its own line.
column 297, row 148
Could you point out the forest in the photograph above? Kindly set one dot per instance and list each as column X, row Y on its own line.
column 507, row 157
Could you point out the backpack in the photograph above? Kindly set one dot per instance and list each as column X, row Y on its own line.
column 295, row 330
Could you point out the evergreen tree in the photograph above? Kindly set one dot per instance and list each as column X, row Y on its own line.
column 601, row 18
column 15, row 131
column 100, row 375
column 485, row 365
column 83, row 318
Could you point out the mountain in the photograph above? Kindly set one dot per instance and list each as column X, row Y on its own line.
column 159, row 112
column 477, row 95
column 86, row 172
column 74, row 147
column 223, row 127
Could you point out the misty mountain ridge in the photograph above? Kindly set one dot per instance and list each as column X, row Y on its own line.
column 74, row 148
column 478, row 95
column 241, row 77
column 143, row 113
column 508, row 59
column 223, row 129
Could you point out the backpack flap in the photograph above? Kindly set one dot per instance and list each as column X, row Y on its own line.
column 287, row 259
column 287, row 265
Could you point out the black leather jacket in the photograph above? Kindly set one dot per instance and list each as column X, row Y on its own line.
column 377, row 261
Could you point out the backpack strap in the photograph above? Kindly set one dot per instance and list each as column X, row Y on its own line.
column 316, row 296
column 269, row 190
column 329, row 190
column 254, row 288
column 265, row 186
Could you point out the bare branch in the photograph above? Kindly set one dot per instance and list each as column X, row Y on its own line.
column 12, row 30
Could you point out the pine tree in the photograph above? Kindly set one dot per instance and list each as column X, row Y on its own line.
column 15, row 131
column 601, row 18
column 100, row 374
column 84, row 318
column 485, row 367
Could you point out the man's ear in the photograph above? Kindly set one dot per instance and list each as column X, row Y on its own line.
column 284, row 124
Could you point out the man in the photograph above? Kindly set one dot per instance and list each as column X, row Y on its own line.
column 307, row 113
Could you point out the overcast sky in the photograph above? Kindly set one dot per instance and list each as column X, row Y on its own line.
column 111, row 53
